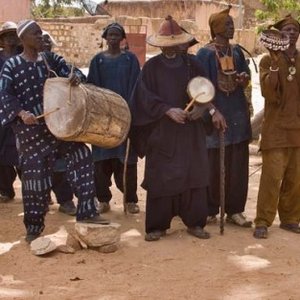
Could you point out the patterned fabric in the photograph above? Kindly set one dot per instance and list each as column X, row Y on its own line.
column 21, row 84
column 8, row 151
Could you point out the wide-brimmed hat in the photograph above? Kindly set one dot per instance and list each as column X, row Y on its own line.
column 53, row 41
column 169, row 34
column 8, row 27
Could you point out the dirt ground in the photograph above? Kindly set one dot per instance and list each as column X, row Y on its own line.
column 233, row 266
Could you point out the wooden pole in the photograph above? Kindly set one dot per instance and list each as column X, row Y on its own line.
column 222, row 181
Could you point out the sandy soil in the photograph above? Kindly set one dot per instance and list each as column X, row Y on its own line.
column 233, row 266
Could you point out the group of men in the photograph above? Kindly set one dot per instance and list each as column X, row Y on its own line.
column 181, row 147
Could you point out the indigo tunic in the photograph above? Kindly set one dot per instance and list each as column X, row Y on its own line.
column 233, row 106
column 118, row 75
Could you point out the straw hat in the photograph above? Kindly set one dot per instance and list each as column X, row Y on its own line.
column 169, row 34
column 6, row 28
column 53, row 41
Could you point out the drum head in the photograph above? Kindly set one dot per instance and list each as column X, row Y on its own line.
column 201, row 89
column 68, row 120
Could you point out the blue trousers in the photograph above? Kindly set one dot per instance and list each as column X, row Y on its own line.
column 37, row 182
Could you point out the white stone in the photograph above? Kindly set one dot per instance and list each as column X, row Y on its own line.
column 97, row 235
column 42, row 245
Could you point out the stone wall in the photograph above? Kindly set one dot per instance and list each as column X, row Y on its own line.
column 79, row 42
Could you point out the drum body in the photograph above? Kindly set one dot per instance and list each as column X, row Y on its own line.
column 85, row 113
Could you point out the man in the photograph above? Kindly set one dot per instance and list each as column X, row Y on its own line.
column 22, row 80
column 9, row 161
column 117, row 70
column 171, row 139
column 280, row 144
column 228, row 70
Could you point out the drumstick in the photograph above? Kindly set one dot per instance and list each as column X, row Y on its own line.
column 193, row 101
column 47, row 113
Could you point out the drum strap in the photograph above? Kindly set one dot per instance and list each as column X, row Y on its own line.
column 48, row 66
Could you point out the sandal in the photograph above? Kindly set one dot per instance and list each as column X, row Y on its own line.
column 238, row 219
column 212, row 219
column 290, row 227
column 198, row 232
column 154, row 235
column 260, row 232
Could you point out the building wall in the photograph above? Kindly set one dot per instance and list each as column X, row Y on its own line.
column 14, row 10
column 79, row 42
column 198, row 10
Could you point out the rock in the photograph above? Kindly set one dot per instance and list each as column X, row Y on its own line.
column 73, row 241
column 96, row 235
column 65, row 249
column 108, row 248
column 42, row 245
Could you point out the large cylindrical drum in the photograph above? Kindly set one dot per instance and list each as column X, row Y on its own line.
column 85, row 113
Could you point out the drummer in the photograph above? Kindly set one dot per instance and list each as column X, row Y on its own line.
column 171, row 139
column 21, row 100
column 117, row 70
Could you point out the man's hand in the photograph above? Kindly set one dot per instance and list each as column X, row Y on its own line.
column 243, row 79
column 74, row 80
column 28, row 118
column 177, row 114
column 219, row 121
column 274, row 56
column 197, row 112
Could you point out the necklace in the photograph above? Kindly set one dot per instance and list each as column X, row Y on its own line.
column 226, row 60
column 292, row 68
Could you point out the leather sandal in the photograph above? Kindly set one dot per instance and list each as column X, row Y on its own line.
column 290, row 227
column 154, row 235
column 260, row 232
column 198, row 232
column 95, row 220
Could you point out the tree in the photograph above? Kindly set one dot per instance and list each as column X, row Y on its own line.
column 276, row 9
column 56, row 8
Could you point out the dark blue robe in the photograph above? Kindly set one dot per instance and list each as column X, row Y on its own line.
column 234, row 106
column 119, row 75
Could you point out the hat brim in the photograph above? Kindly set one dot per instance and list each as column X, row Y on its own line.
column 5, row 31
column 169, row 40
column 2, row 32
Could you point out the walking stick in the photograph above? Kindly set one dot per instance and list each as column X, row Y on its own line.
column 125, row 176
column 222, row 181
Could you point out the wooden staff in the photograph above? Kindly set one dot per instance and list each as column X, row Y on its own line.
column 125, row 176
column 47, row 113
column 222, row 181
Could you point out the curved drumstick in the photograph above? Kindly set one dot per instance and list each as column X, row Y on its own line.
column 193, row 101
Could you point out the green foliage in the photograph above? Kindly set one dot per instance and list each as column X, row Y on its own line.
column 56, row 8
column 275, row 10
